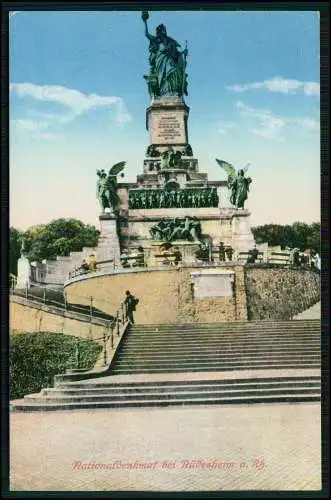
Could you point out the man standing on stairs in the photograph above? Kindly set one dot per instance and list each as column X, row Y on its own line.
column 130, row 303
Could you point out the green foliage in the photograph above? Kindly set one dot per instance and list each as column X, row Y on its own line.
column 36, row 357
column 299, row 235
column 59, row 237
column 15, row 241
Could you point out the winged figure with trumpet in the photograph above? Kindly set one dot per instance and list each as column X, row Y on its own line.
column 238, row 184
column 107, row 187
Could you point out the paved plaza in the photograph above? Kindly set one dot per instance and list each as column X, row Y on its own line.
column 313, row 312
column 198, row 448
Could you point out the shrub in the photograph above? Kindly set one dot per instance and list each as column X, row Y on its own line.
column 35, row 358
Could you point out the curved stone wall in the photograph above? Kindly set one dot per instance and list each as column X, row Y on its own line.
column 166, row 295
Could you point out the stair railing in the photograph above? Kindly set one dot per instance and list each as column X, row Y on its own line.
column 108, row 344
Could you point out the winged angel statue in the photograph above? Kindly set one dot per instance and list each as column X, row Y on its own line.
column 107, row 187
column 238, row 184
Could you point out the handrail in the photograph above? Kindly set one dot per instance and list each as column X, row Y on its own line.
column 59, row 293
column 54, row 299
column 112, row 329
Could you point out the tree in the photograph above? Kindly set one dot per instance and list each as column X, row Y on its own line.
column 59, row 237
column 298, row 235
column 15, row 241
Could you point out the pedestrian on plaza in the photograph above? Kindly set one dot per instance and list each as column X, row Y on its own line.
column 93, row 262
column 253, row 255
column 177, row 255
column 229, row 253
column 85, row 267
column 124, row 258
column 130, row 303
column 308, row 253
column 222, row 252
column 295, row 257
column 141, row 257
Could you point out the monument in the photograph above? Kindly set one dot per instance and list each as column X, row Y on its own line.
column 172, row 203
column 109, row 248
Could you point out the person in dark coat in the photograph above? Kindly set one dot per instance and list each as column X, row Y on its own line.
column 222, row 252
column 130, row 303
column 253, row 255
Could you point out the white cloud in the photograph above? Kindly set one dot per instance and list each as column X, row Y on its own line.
column 122, row 114
column 13, row 13
column 33, row 128
column 75, row 101
column 279, row 84
column 28, row 125
column 223, row 127
column 271, row 125
column 46, row 136
column 308, row 123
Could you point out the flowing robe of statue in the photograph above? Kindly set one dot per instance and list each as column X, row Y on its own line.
column 107, row 187
column 242, row 188
column 238, row 184
column 167, row 64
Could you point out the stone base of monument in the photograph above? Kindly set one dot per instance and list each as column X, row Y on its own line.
column 242, row 236
column 108, row 247
column 187, row 251
column 166, row 119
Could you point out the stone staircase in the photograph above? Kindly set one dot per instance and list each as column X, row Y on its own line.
column 219, row 347
column 230, row 363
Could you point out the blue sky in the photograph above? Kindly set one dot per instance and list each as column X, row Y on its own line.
column 78, row 101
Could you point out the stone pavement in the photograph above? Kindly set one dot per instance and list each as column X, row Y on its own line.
column 314, row 312
column 214, row 448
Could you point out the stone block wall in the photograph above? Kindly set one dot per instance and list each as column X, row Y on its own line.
column 280, row 293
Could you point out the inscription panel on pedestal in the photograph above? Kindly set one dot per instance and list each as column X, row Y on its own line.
column 212, row 284
column 167, row 127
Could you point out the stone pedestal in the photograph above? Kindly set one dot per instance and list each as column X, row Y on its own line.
column 23, row 273
column 166, row 120
column 242, row 236
column 108, row 248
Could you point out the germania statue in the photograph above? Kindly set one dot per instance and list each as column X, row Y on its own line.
column 167, row 76
column 107, row 187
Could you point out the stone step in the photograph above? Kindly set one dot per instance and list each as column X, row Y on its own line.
column 263, row 365
column 22, row 405
column 227, row 359
column 226, row 327
column 179, row 388
column 182, row 344
column 291, row 324
column 128, row 352
column 229, row 335
column 206, row 339
column 211, row 358
column 171, row 395
column 194, row 379
column 254, row 323
column 229, row 329
column 196, row 346
column 223, row 333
